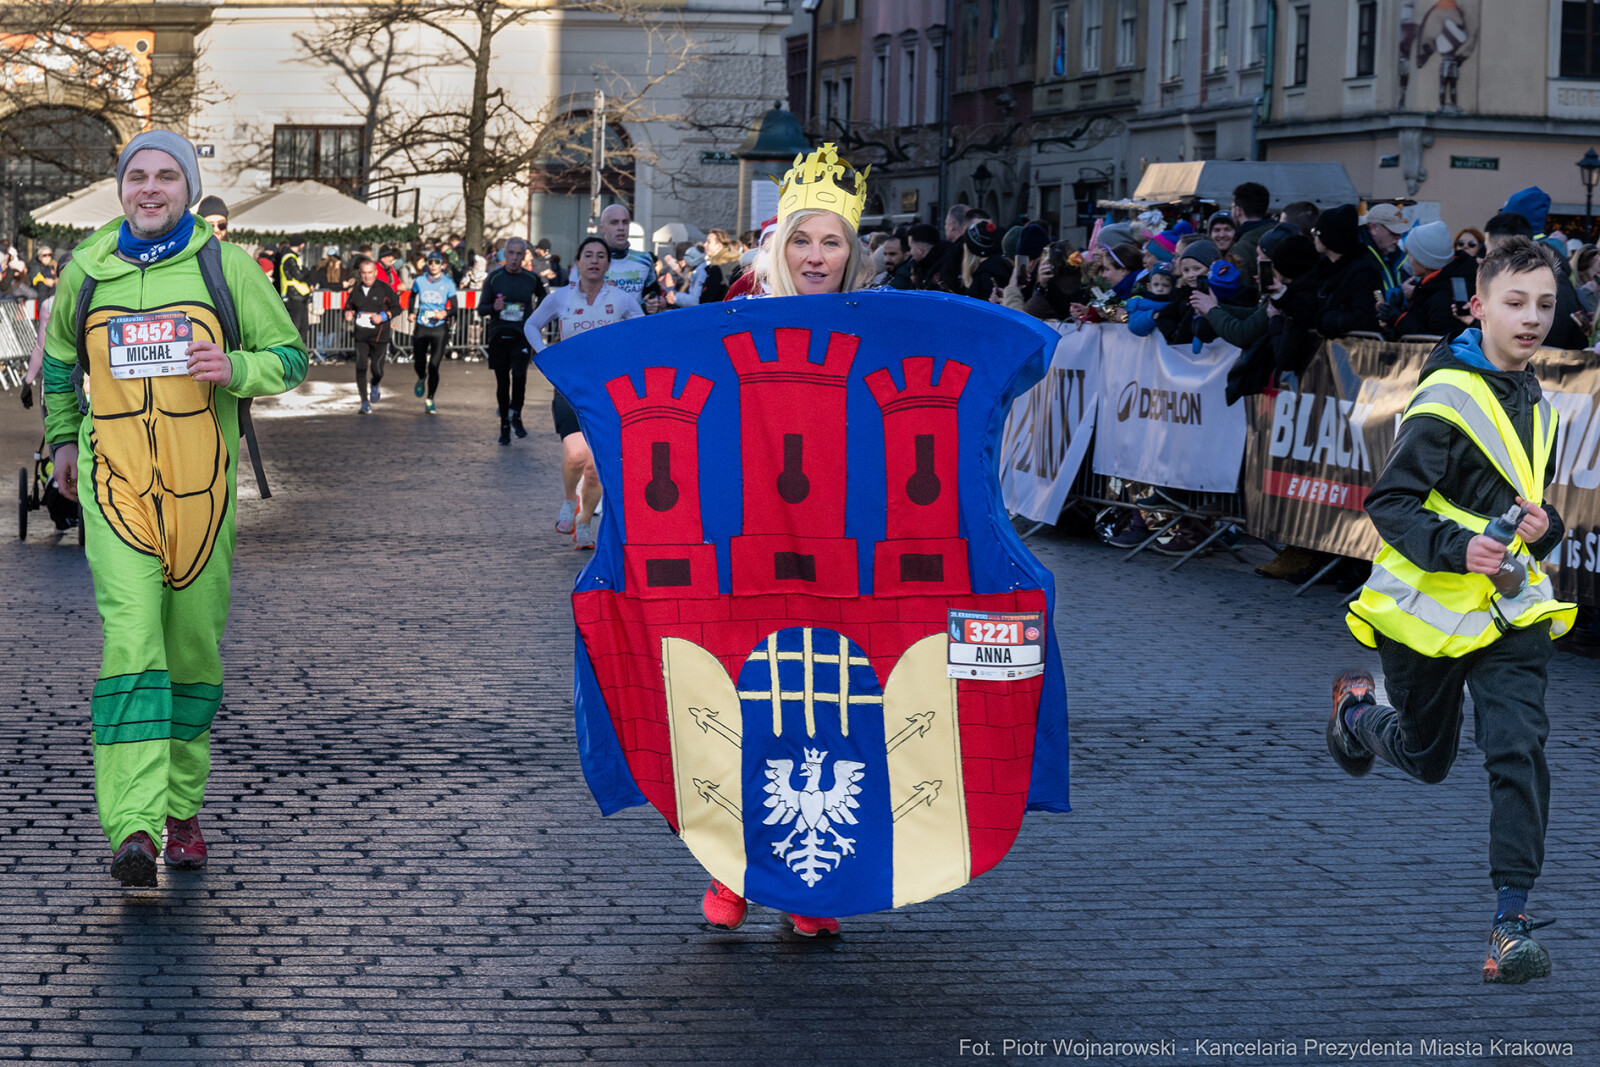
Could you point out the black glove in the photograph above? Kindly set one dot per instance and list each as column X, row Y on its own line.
column 27, row 394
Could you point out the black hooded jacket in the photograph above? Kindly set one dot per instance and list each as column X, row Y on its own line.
column 1345, row 290
column 1430, row 453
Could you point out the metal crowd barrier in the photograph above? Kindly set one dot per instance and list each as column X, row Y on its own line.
column 331, row 337
column 1221, row 513
column 17, row 333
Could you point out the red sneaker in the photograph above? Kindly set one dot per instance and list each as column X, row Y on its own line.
column 135, row 862
column 186, row 849
column 806, row 926
column 723, row 907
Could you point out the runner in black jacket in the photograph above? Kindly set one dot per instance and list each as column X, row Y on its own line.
column 509, row 296
column 371, row 305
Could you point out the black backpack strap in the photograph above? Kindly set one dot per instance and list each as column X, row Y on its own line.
column 80, row 331
column 209, row 259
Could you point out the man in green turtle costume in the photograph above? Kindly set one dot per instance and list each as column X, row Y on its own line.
column 142, row 394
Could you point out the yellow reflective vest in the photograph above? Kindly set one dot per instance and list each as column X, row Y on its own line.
column 288, row 286
column 1443, row 614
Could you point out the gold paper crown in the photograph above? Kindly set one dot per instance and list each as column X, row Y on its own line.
column 823, row 180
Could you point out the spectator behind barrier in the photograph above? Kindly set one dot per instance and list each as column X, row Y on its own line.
column 1250, row 203
column 1348, row 276
column 1295, row 306
column 927, row 254
column 1429, row 305
column 1302, row 215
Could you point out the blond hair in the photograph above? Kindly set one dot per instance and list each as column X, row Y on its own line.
column 772, row 266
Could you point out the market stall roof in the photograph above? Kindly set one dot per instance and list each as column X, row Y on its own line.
column 308, row 206
column 1323, row 183
column 674, row 232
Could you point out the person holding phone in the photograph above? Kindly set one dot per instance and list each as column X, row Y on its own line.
column 1442, row 281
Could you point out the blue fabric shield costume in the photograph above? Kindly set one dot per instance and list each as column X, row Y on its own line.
column 810, row 636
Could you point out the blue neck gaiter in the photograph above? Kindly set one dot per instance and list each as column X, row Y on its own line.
column 157, row 249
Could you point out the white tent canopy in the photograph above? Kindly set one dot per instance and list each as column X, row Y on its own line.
column 284, row 208
column 307, row 206
column 88, row 208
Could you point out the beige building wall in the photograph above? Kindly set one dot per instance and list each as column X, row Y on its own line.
column 1510, row 106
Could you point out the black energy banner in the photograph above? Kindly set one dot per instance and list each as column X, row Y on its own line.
column 1315, row 452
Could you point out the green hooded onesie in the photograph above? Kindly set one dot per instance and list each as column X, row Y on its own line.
column 156, row 476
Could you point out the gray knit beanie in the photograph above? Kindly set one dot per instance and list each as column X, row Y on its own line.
column 173, row 144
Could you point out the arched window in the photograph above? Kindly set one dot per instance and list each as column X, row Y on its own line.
column 49, row 151
column 562, row 167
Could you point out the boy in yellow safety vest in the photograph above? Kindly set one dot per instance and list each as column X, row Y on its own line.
column 1476, row 442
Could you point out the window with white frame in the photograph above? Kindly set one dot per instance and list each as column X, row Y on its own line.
column 1177, row 39
column 908, row 84
column 935, row 80
column 1127, row 33
column 1302, row 46
column 1255, row 38
column 1219, row 34
column 880, row 84
column 1366, row 50
column 847, row 94
column 1058, row 41
column 1091, row 36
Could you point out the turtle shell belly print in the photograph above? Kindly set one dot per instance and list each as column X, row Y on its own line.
column 160, row 472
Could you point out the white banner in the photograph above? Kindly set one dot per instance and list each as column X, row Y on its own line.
column 1050, row 426
column 1165, row 414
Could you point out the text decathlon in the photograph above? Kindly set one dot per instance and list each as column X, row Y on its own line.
column 1158, row 405
column 1320, row 429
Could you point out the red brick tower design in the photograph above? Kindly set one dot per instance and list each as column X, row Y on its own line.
column 923, row 551
column 665, row 554
column 792, row 436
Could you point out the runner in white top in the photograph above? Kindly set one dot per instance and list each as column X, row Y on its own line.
column 585, row 304
column 632, row 272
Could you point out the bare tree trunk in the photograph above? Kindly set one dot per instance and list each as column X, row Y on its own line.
column 475, row 185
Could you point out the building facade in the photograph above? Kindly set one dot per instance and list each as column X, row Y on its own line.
column 271, row 105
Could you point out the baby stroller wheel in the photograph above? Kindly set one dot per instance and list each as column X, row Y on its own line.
column 22, row 505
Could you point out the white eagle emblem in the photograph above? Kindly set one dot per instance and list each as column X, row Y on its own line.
column 813, row 812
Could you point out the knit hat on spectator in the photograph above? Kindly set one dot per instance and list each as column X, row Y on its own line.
column 1034, row 240
column 1533, row 204
column 1162, row 269
column 1225, row 279
column 1154, row 248
column 1113, row 234
column 693, row 256
column 1429, row 246
column 1386, row 215
column 1274, row 237
column 1339, row 229
column 983, row 237
column 1203, row 252
column 1220, row 216
column 182, row 152
column 1294, row 256
column 1008, row 243
column 211, row 205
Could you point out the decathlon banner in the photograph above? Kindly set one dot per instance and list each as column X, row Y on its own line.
column 1316, row 452
column 1164, row 416
column 1050, row 426
column 802, row 504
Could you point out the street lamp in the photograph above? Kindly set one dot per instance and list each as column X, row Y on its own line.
column 981, row 179
column 1589, row 167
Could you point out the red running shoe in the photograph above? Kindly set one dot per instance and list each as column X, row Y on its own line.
column 1350, row 688
column 186, row 849
column 806, row 926
column 135, row 862
column 723, row 907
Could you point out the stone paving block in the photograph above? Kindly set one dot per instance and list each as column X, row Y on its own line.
column 406, row 867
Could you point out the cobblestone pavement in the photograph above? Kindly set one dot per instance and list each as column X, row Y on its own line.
column 407, row 868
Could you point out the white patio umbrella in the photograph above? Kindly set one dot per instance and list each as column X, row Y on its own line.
column 304, row 206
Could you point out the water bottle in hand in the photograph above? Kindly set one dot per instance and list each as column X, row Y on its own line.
column 1512, row 577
